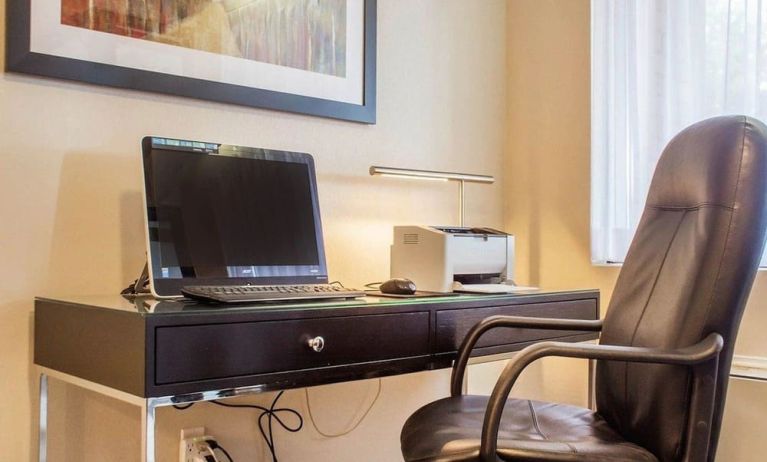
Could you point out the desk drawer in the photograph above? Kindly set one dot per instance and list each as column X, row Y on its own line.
column 216, row 351
column 453, row 325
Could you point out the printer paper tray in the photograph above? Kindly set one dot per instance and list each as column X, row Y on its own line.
column 492, row 289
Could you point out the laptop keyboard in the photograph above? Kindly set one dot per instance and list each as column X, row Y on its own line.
column 250, row 293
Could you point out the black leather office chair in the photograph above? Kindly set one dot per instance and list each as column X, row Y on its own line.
column 666, row 341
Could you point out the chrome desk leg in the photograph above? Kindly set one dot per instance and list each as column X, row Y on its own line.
column 148, row 430
column 42, row 431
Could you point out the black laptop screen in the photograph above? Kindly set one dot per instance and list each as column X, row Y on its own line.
column 233, row 214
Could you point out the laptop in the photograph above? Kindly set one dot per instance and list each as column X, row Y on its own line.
column 232, row 219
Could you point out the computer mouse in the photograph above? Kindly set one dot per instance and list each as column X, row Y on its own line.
column 398, row 286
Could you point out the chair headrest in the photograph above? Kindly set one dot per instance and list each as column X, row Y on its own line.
column 702, row 165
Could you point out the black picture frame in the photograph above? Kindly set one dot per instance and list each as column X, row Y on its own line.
column 19, row 58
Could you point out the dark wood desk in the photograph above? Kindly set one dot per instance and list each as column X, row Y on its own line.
column 159, row 353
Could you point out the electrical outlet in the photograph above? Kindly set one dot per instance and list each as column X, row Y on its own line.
column 188, row 451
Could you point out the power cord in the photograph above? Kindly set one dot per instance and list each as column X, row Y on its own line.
column 352, row 428
column 138, row 287
column 270, row 413
column 213, row 445
column 206, row 447
column 266, row 429
column 182, row 407
column 212, row 457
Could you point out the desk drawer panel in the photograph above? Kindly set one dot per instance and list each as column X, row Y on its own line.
column 453, row 325
column 215, row 351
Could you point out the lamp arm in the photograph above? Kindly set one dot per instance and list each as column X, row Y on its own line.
column 461, row 178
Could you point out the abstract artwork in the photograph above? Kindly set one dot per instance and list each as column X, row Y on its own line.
column 310, row 56
column 305, row 34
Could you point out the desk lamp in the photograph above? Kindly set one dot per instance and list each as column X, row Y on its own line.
column 461, row 178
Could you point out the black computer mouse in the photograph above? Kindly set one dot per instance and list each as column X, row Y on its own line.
column 398, row 286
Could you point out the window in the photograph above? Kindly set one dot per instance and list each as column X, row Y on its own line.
column 657, row 67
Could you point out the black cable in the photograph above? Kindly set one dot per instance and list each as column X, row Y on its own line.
column 182, row 407
column 226, row 453
column 337, row 282
column 272, row 412
column 215, row 445
column 250, row 406
column 373, row 285
column 138, row 287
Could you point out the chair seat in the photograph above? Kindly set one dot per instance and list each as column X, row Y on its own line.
column 449, row 430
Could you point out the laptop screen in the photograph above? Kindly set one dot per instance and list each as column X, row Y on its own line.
column 223, row 214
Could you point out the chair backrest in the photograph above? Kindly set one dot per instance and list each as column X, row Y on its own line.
column 688, row 273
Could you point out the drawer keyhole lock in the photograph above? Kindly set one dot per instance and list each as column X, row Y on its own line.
column 317, row 343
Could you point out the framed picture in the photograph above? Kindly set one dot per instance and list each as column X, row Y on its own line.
column 313, row 57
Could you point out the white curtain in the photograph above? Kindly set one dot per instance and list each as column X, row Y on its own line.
column 657, row 67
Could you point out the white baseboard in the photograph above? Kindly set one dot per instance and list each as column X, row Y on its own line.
column 749, row 367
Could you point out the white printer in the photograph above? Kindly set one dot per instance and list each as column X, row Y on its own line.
column 434, row 257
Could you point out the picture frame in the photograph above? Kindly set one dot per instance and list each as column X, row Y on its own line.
column 21, row 57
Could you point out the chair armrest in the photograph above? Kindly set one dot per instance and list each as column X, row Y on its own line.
column 703, row 351
column 492, row 322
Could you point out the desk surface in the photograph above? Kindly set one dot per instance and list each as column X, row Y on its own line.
column 148, row 306
column 152, row 348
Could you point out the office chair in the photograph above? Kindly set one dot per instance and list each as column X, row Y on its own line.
column 666, row 341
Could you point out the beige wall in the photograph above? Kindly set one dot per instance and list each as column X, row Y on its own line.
column 547, row 162
column 547, row 186
column 546, row 173
column 70, row 181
